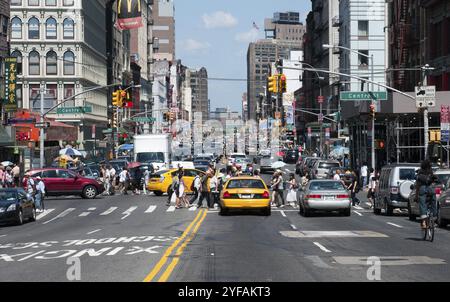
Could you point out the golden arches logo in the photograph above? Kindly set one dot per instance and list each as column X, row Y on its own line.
column 129, row 5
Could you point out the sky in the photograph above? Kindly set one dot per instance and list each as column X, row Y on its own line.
column 215, row 34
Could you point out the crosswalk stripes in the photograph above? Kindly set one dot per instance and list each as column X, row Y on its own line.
column 61, row 215
column 171, row 209
column 109, row 211
column 128, row 212
column 150, row 209
column 43, row 214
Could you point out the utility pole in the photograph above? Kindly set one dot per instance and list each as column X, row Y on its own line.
column 425, row 114
column 42, row 132
column 374, row 103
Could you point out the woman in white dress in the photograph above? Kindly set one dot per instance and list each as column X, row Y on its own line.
column 291, row 197
column 181, row 200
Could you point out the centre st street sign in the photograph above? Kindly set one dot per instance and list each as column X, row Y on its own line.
column 73, row 110
column 143, row 119
column 363, row 96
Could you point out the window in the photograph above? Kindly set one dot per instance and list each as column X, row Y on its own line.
column 69, row 90
column 65, row 174
column 49, row 174
column 69, row 63
column 50, row 2
column 33, row 28
column 363, row 58
column 407, row 174
column 5, row 23
column 16, row 28
column 16, row 2
column 33, row 2
column 34, row 63
column 68, row 29
column 50, row 27
column 363, row 28
column 68, row 2
column 18, row 55
column 52, row 64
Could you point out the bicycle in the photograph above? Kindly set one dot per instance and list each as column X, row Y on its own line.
column 428, row 232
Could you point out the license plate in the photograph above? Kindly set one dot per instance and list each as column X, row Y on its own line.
column 246, row 196
column 328, row 197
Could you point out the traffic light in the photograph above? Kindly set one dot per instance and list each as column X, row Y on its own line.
column 372, row 110
column 172, row 116
column 379, row 144
column 117, row 98
column 435, row 135
column 166, row 116
column 283, row 85
column 272, row 83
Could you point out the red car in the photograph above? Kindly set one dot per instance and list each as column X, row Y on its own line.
column 65, row 182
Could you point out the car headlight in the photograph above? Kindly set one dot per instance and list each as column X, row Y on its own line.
column 2, row 210
column 11, row 208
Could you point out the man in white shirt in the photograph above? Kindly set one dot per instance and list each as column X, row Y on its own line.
column 196, row 187
column 372, row 187
column 146, row 179
column 364, row 175
column 112, row 179
column 123, row 181
column 40, row 193
column 337, row 175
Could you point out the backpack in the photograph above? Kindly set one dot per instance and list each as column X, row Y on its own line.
column 193, row 184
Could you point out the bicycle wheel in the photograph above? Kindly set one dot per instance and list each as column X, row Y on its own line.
column 425, row 230
column 430, row 229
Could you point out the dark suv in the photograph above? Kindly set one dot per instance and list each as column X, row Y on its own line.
column 60, row 182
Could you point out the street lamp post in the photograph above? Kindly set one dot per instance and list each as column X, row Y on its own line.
column 373, row 100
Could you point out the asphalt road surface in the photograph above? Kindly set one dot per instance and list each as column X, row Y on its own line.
column 139, row 238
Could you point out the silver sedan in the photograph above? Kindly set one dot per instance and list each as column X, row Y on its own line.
column 325, row 195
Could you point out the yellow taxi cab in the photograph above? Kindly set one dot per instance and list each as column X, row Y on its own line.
column 160, row 181
column 245, row 192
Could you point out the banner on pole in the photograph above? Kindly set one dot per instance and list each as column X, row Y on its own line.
column 445, row 123
column 129, row 14
column 10, row 84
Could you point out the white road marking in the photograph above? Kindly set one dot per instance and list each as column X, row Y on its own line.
column 128, row 212
column 61, row 215
column 95, row 231
column 2, row 236
column 390, row 260
column 43, row 214
column 171, row 209
column 358, row 208
column 194, row 208
column 213, row 211
column 322, row 247
column 92, row 209
column 276, row 210
column 283, row 214
column 109, row 211
column 294, row 227
column 150, row 209
column 332, row 234
column 84, row 214
column 356, row 212
column 396, row 225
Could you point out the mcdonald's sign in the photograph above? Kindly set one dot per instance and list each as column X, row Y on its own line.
column 129, row 14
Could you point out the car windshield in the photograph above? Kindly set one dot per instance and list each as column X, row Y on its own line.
column 7, row 196
column 238, row 156
column 408, row 174
column 245, row 184
column 159, row 173
column 201, row 162
column 327, row 165
column 150, row 157
column 443, row 178
column 326, row 186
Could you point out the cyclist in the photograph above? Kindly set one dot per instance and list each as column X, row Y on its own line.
column 424, row 180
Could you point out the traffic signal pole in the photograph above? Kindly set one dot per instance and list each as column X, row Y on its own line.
column 42, row 132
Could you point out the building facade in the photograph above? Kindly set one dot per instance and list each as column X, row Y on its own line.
column 198, row 80
column 164, row 30
column 61, row 44
column 284, row 26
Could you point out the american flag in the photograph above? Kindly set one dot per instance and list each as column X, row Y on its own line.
column 255, row 26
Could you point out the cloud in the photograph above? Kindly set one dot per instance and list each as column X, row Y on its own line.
column 248, row 36
column 219, row 19
column 192, row 45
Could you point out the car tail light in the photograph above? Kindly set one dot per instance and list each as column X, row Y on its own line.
column 226, row 194
column 265, row 194
column 314, row 196
column 342, row 196
column 394, row 190
column 437, row 190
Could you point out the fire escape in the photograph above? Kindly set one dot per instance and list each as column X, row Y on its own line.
column 401, row 13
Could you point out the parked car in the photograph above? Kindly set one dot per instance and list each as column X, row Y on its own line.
column 394, row 187
column 291, row 156
column 321, row 167
column 16, row 206
column 60, row 182
column 233, row 156
column 443, row 202
column 201, row 164
column 325, row 195
column 413, row 206
column 302, row 166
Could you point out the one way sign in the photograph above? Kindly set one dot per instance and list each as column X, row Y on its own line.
column 425, row 96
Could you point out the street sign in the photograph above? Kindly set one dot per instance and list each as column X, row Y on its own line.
column 143, row 119
column 327, row 133
column 73, row 110
column 425, row 96
column 320, row 117
column 21, row 121
column 42, row 125
column 363, row 96
column 445, row 123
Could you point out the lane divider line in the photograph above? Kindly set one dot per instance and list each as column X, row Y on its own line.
column 92, row 232
column 60, row 215
column 43, row 214
column 165, row 276
column 396, row 225
column 356, row 212
column 2, row 236
column 169, row 250
column 109, row 211
column 322, row 247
